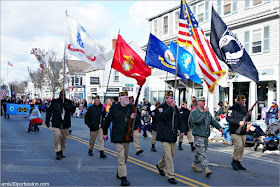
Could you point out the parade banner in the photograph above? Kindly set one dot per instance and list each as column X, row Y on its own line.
column 18, row 109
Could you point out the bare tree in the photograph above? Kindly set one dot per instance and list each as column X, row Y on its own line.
column 51, row 65
column 18, row 87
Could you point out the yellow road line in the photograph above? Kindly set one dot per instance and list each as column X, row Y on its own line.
column 138, row 162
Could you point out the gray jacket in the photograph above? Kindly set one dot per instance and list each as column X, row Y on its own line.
column 199, row 125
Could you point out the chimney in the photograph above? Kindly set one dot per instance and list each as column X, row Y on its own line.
column 114, row 42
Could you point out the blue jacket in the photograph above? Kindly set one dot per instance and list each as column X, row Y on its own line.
column 272, row 113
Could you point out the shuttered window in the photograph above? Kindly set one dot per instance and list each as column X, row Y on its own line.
column 234, row 6
column 257, row 41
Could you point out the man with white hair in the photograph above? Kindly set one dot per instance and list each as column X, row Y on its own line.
column 120, row 114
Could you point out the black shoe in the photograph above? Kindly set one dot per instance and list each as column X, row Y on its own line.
column 70, row 132
column 161, row 172
column 192, row 147
column 58, row 156
column 240, row 166
column 124, row 182
column 102, row 155
column 90, row 153
column 234, row 165
column 180, row 146
column 153, row 149
column 139, row 152
column 61, row 154
column 172, row 181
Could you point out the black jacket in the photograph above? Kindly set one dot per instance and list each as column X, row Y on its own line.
column 235, row 114
column 164, row 124
column 185, row 113
column 119, row 116
column 154, row 115
column 54, row 112
column 92, row 117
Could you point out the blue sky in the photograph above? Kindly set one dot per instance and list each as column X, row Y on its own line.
column 41, row 24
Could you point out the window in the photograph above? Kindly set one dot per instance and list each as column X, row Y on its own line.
column 234, row 6
column 257, row 41
column 165, row 25
column 198, row 93
column 247, row 4
column 194, row 10
column 76, row 81
column 254, row 3
column 81, row 81
column 160, row 96
column 177, row 16
column 155, row 28
column 116, row 76
column 266, row 39
column 72, row 81
column 227, row 7
column 153, row 98
column 200, row 14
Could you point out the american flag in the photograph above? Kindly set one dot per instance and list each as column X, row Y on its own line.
column 10, row 64
column 190, row 34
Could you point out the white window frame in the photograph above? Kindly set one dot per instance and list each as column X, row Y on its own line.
column 174, row 21
column 197, row 10
column 165, row 34
column 252, row 36
column 262, row 40
column 231, row 9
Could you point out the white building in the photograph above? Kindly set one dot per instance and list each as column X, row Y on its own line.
column 256, row 25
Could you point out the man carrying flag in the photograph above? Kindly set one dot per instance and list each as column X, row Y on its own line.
column 130, row 64
column 230, row 50
column 190, row 34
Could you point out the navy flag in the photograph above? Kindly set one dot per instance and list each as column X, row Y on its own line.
column 229, row 50
column 158, row 55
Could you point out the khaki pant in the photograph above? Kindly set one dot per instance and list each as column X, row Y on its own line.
column 60, row 138
column 136, row 141
column 122, row 152
column 189, row 136
column 100, row 141
column 239, row 143
column 154, row 136
column 167, row 158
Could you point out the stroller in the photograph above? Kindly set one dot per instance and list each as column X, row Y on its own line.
column 270, row 140
column 253, row 134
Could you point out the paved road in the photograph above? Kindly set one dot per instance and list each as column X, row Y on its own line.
column 30, row 158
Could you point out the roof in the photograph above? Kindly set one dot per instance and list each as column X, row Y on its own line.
column 76, row 66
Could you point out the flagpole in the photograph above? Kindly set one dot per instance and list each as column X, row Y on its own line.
column 177, row 55
column 64, row 62
column 192, row 91
column 7, row 75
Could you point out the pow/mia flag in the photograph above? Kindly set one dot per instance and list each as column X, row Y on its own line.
column 229, row 50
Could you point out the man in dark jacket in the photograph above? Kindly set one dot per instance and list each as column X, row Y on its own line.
column 185, row 113
column 59, row 111
column 235, row 116
column 4, row 105
column 167, row 134
column 154, row 126
column 200, row 120
column 136, row 144
column 120, row 114
column 93, row 119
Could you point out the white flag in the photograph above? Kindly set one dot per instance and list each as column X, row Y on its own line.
column 80, row 44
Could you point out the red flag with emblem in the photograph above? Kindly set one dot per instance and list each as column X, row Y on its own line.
column 129, row 63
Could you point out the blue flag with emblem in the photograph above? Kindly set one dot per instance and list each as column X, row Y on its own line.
column 230, row 50
column 186, row 62
column 158, row 55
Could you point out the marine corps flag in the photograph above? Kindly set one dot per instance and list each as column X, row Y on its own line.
column 230, row 50
column 129, row 63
